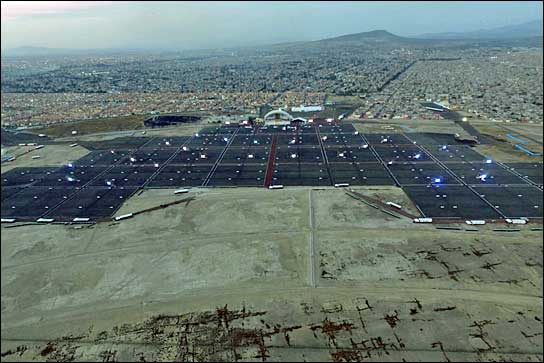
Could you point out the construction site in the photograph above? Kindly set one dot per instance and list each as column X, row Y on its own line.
column 326, row 241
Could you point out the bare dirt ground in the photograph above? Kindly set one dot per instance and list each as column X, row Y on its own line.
column 94, row 125
column 504, row 149
column 50, row 155
column 122, row 125
column 438, row 126
column 180, row 130
column 248, row 274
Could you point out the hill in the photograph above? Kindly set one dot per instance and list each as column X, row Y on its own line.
column 374, row 35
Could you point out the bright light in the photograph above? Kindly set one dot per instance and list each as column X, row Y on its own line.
column 255, row 141
column 417, row 156
column 70, row 165
column 488, row 161
column 482, row 177
column 324, row 138
column 341, row 155
column 250, row 156
column 390, row 163
column 108, row 183
column 203, row 156
column 444, row 147
column 70, row 179
column 365, row 146
column 464, row 119
column 437, row 180
column 167, row 143
column 132, row 160
column 196, row 135
column 185, row 148
column 225, row 139
column 156, row 165
column 293, row 156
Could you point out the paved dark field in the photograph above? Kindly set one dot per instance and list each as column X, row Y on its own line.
column 424, row 165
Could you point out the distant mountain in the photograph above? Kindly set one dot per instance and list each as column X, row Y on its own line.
column 373, row 36
column 381, row 38
column 526, row 34
column 518, row 36
column 526, row 30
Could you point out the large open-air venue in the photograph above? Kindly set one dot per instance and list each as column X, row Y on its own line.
column 96, row 185
column 305, row 181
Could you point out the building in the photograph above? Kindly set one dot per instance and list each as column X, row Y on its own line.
column 281, row 117
column 303, row 108
column 277, row 117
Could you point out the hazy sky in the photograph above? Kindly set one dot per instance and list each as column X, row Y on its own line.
column 197, row 25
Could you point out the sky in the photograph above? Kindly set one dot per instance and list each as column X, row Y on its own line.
column 205, row 25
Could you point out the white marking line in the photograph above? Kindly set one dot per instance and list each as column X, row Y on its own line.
column 312, row 241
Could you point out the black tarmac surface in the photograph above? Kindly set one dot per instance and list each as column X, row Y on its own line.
column 441, row 201
column 441, row 176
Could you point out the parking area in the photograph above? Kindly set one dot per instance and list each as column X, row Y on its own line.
column 478, row 173
column 529, row 171
column 410, row 173
column 514, row 201
column 423, row 165
column 440, row 201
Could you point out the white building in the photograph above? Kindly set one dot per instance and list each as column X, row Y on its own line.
column 303, row 108
column 278, row 117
